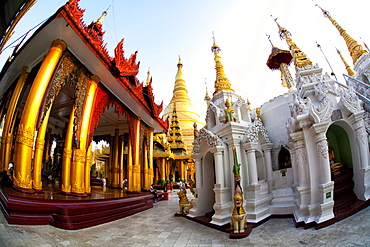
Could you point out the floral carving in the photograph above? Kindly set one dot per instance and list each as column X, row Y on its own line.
column 322, row 148
column 323, row 112
column 59, row 81
column 256, row 128
column 350, row 100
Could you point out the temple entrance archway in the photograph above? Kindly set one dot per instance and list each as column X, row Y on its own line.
column 208, row 178
column 341, row 160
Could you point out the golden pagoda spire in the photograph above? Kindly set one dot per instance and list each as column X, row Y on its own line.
column 179, row 75
column 148, row 79
column 299, row 57
column 207, row 98
column 354, row 48
column 348, row 68
column 103, row 15
column 221, row 83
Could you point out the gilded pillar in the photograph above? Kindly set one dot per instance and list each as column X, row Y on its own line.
column 136, row 160
column 79, row 154
column 115, row 165
column 38, row 153
column 7, row 138
column 67, row 155
column 130, row 186
column 146, row 169
column 120, row 160
column 163, row 171
column 26, row 129
column 88, row 169
column 150, row 169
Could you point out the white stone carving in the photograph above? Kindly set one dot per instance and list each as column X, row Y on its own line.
column 211, row 139
column 323, row 112
column 254, row 129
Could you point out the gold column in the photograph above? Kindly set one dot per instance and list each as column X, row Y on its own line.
column 130, row 179
column 136, row 161
column 38, row 153
column 88, row 169
column 79, row 154
column 146, row 169
column 121, row 148
column 67, row 155
column 150, row 170
column 115, row 164
column 163, row 171
column 26, row 129
column 47, row 148
column 7, row 138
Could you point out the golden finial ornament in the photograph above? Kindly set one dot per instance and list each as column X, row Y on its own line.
column 348, row 68
column 354, row 48
column 299, row 57
column 148, row 79
column 280, row 59
column 103, row 15
column 221, row 83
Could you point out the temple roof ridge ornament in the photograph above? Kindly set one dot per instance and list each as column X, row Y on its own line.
column 299, row 57
column 355, row 49
column 221, row 82
column 125, row 67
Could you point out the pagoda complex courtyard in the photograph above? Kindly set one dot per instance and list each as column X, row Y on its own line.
column 84, row 141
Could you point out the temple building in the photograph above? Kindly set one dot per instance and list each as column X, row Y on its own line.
column 304, row 153
column 62, row 91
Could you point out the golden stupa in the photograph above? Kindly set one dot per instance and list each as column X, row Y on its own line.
column 186, row 112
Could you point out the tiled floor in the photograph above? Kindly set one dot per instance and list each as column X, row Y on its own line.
column 159, row 227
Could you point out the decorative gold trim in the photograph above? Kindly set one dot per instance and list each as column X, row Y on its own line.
column 25, row 136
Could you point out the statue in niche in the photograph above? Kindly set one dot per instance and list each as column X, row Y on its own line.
column 229, row 112
column 335, row 167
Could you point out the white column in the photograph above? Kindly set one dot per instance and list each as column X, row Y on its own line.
column 217, row 153
column 198, row 170
column 323, row 154
column 252, row 163
column 267, row 153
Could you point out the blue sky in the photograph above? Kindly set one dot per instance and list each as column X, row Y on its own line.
column 161, row 30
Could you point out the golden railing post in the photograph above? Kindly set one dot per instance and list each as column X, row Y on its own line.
column 79, row 154
column 67, row 155
column 26, row 129
column 7, row 137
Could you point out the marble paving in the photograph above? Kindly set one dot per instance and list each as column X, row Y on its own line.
column 159, row 227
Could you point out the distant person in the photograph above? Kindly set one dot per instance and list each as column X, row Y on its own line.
column 125, row 184
column 154, row 192
column 104, row 181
